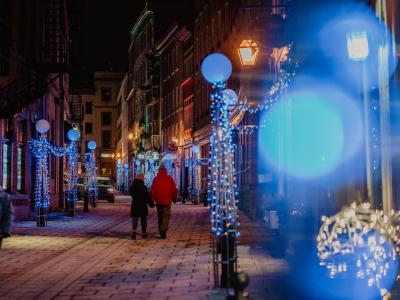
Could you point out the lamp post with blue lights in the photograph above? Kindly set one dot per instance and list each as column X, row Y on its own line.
column 72, row 179
column 216, row 68
column 41, row 148
column 358, row 50
column 91, row 175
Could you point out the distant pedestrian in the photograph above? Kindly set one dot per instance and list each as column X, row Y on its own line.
column 163, row 192
column 140, row 200
column 5, row 216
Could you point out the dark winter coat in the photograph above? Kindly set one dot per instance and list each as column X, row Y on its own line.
column 5, row 214
column 140, row 199
column 163, row 189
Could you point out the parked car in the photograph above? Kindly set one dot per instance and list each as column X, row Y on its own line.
column 106, row 189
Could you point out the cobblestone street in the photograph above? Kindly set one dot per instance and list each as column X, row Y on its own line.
column 92, row 256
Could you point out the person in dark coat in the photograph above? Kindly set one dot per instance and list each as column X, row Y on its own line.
column 5, row 216
column 140, row 201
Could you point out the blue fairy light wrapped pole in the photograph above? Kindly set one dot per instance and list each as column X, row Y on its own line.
column 126, row 178
column 72, row 179
column 41, row 148
column 216, row 69
column 91, row 174
column 120, row 179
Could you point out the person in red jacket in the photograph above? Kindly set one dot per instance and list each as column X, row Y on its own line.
column 163, row 193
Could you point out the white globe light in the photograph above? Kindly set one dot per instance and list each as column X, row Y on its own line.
column 42, row 126
column 92, row 145
column 138, row 163
column 195, row 149
column 126, row 166
column 73, row 134
column 216, row 67
column 230, row 97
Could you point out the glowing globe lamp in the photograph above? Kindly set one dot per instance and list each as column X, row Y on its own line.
column 230, row 97
column 92, row 145
column 73, row 134
column 42, row 126
column 216, row 67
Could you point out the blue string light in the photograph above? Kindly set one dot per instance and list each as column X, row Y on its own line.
column 120, row 179
column 72, row 180
column 221, row 183
column 91, row 176
column 40, row 149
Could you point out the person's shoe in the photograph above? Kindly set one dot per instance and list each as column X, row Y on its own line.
column 133, row 236
column 163, row 235
column 144, row 235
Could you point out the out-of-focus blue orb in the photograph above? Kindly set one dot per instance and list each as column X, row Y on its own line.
column 138, row 163
column 230, row 97
column 73, row 134
column 92, row 145
column 311, row 131
column 303, row 136
column 126, row 166
column 216, row 67
column 42, row 126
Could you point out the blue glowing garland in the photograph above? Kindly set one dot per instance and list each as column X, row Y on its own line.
column 221, row 183
column 91, row 175
column 40, row 149
column 72, row 180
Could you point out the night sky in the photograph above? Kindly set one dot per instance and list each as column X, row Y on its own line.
column 100, row 36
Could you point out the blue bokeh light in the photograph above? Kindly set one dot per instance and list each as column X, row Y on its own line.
column 92, row 145
column 310, row 131
column 216, row 67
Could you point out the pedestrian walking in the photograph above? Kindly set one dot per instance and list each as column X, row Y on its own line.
column 163, row 192
column 5, row 216
column 140, row 202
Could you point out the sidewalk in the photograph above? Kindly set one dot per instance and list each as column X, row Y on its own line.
column 92, row 257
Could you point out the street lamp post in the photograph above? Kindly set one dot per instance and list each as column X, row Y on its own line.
column 72, row 180
column 216, row 69
column 91, row 175
column 358, row 50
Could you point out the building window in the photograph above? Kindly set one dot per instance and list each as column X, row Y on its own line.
column 106, row 94
column 106, row 138
column 6, row 166
column 106, row 118
column 88, row 128
column 88, row 108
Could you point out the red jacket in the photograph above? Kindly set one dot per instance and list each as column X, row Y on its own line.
column 163, row 189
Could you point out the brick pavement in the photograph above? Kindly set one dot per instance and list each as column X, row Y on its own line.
column 92, row 256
